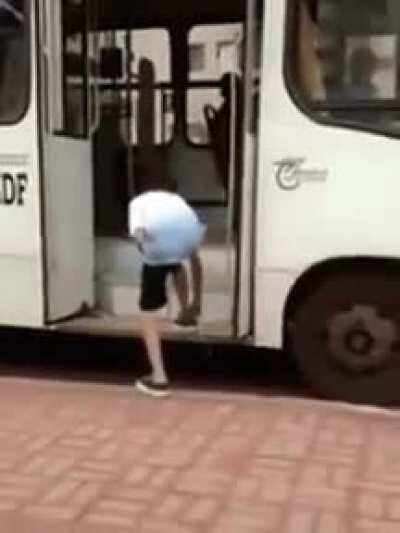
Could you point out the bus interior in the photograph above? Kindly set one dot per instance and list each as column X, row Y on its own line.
column 171, row 91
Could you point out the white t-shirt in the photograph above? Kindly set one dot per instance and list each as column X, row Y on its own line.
column 172, row 229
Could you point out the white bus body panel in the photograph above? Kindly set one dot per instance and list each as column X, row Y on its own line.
column 250, row 145
column 68, row 191
column 69, row 225
column 21, row 272
column 351, row 210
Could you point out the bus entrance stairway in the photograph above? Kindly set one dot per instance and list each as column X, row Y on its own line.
column 118, row 268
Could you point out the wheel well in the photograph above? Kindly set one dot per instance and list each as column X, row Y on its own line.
column 312, row 276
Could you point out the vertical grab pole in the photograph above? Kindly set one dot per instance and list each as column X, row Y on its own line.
column 129, row 160
column 232, row 167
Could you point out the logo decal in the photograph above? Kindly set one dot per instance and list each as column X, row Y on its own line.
column 290, row 173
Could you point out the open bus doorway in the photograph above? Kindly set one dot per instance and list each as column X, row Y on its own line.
column 154, row 141
column 161, row 103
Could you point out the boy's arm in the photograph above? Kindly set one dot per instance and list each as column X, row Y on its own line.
column 140, row 236
column 137, row 230
column 137, row 225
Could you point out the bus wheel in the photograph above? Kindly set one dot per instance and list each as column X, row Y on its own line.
column 345, row 336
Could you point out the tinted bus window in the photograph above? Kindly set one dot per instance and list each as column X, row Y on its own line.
column 14, row 60
column 148, row 105
column 214, row 50
column 344, row 60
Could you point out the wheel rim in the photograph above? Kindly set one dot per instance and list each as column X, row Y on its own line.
column 361, row 339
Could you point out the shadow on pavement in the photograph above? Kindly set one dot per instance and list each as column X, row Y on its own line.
column 119, row 360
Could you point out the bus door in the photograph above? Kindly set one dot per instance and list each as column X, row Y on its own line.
column 67, row 106
column 244, row 276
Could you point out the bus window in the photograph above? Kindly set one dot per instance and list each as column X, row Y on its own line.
column 75, row 112
column 152, row 44
column 197, row 99
column 14, row 60
column 343, row 61
column 214, row 50
column 69, row 70
column 152, row 57
column 150, row 70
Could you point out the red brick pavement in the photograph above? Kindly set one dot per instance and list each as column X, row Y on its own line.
column 81, row 458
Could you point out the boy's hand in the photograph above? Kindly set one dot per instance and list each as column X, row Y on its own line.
column 141, row 236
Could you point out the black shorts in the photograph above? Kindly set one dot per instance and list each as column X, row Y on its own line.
column 154, row 286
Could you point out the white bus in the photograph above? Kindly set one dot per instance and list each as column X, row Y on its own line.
column 298, row 182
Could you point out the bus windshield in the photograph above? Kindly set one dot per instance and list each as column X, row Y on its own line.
column 14, row 60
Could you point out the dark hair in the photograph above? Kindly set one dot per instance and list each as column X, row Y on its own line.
column 313, row 9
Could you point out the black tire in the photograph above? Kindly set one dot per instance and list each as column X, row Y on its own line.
column 345, row 333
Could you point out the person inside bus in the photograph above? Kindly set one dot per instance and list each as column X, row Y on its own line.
column 310, row 68
column 219, row 123
column 363, row 65
column 167, row 232
column 360, row 90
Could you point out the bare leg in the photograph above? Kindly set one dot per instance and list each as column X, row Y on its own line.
column 182, row 288
column 197, row 276
column 152, row 341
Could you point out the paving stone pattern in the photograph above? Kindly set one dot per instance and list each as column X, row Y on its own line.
column 84, row 458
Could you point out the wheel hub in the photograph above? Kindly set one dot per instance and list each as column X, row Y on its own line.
column 361, row 340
